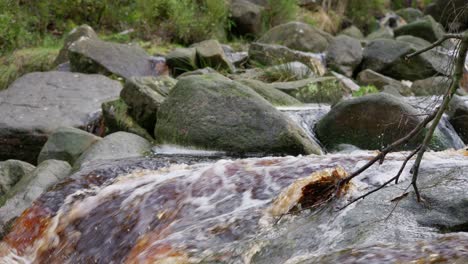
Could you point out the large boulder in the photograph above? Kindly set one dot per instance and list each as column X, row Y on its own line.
column 272, row 95
column 247, row 18
column 89, row 55
column 182, row 60
column 77, row 33
column 210, row 53
column 371, row 122
column 298, row 36
column 387, row 57
column 410, row 14
column 143, row 96
column 67, row 144
column 370, row 77
column 35, row 105
column 11, row 172
column 426, row 28
column 437, row 85
column 213, row 112
column 458, row 116
column 344, row 54
column 268, row 54
column 118, row 145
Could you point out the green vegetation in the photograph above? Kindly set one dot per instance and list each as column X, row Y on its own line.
column 363, row 90
column 278, row 12
column 23, row 61
column 328, row 91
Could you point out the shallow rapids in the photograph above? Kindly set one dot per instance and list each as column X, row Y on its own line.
column 239, row 211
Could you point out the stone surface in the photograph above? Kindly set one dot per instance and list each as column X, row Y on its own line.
column 182, row 60
column 247, row 18
column 213, row 112
column 116, row 146
column 267, row 54
column 452, row 14
column 410, row 14
column 382, row 33
column 344, row 54
column 298, row 36
column 431, row 86
column 458, row 116
column 117, row 118
column 426, row 28
column 11, row 172
column 371, row 122
column 89, row 55
column 67, row 144
column 370, row 77
column 353, row 32
column 78, row 32
column 143, row 96
column 210, row 53
column 28, row 189
column 35, row 105
column 272, row 95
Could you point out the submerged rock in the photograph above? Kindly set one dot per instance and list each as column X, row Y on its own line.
column 88, row 55
column 213, row 112
column 37, row 104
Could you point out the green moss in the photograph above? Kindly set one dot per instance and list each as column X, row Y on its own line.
column 363, row 90
column 20, row 62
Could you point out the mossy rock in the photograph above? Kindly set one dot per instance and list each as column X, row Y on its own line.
column 271, row 94
column 426, row 28
column 182, row 60
column 213, row 112
column 11, row 172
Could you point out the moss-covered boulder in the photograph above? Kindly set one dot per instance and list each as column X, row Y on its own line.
column 143, row 96
column 344, row 54
column 353, row 32
column 247, row 18
column 89, row 55
column 210, row 53
column 381, row 33
column 182, row 60
column 78, row 32
column 272, row 95
column 426, row 28
column 372, row 122
column 298, row 36
column 380, row 81
column 410, row 14
column 67, row 144
column 11, row 172
column 213, row 112
column 117, row 118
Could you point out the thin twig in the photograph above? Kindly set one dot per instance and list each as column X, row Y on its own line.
column 433, row 45
column 405, row 162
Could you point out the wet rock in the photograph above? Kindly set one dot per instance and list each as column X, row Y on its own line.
column 143, row 96
column 298, row 36
column 387, row 57
column 266, row 54
column 426, row 28
column 78, row 32
column 213, row 112
column 271, row 94
column 247, row 18
column 35, row 105
column 11, row 172
column 211, row 54
column 458, row 116
column 182, row 60
column 116, row 146
column 67, row 144
column 370, row 77
column 89, row 55
column 410, row 14
column 117, row 118
column 372, row 122
column 431, row 86
column 344, row 54
column 353, row 32
column 29, row 188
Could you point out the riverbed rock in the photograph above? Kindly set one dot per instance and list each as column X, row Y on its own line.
column 410, row 14
column 370, row 77
column 116, row 115
column 387, row 57
column 210, row 53
column 182, row 60
column 143, row 96
column 247, row 18
column 382, row 33
column 116, row 146
column 213, row 112
column 88, row 55
column 35, row 105
column 426, row 28
column 67, row 144
column 344, row 54
column 431, row 86
column 77, row 33
column 11, row 172
column 298, row 36
column 371, row 122
column 353, row 32
column 272, row 95
column 270, row 55
column 458, row 116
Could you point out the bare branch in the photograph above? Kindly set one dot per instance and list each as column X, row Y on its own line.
column 435, row 44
